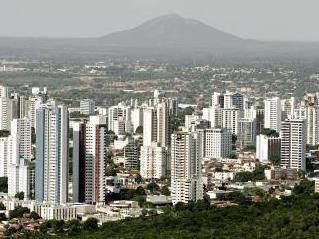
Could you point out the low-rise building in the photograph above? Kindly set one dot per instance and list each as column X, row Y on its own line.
column 281, row 173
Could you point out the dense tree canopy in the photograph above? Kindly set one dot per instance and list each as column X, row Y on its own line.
column 256, row 175
column 269, row 132
column 4, row 184
column 296, row 216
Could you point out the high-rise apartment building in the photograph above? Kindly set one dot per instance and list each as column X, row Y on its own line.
column 35, row 103
column 153, row 160
column 20, row 156
column 267, row 148
column 131, row 155
column 186, row 178
column 215, row 143
column 118, row 113
column 230, row 119
column 293, row 143
column 272, row 113
column 78, row 165
column 8, row 112
column 312, row 119
column 89, row 154
column 247, row 132
column 52, row 152
column 260, row 119
column 3, row 92
column 218, row 99
column 4, row 156
column 137, row 118
column 213, row 115
column 87, row 107
column 155, row 125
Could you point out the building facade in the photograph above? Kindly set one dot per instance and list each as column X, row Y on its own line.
column 52, row 153
column 186, row 179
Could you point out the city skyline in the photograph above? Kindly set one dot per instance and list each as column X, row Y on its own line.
column 159, row 119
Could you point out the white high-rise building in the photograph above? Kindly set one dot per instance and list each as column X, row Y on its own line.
column 267, row 148
column 228, row 103
column 21, row 139
column 120, row 126
column 8, row 112
column 293, row 136
column 35, row 104
column 153, row 161
column 4, row 156
column 190, row 120
column 20, row 156
column 250, row 112
column 155, row 125
column 312, row 116
column 118, row 112
column 217, row 99
column 19, row 178
column 162, row 124
column 309, row 113
column 186, row 178
column 230, row 119
column 215, row 143
column 137, row 117
column 87, row 107
column 52, row 153
column 288, row 108
column 272, row 113
column 213, row 115
column 3, row 92
column 149, row 126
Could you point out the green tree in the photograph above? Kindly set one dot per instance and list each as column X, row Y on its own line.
column 4, row 184
column 91, row 224
column 2, row 207
column 139, row 130
column 3, row 217
column 275, row 160
column 152, row 187
column 138, row 178
column 251, row 148
column 110, row 170
column 140, row 199
column 233, row 156
column 33, row 135
column 140, row 191
column 73, row 227
column 165, row 191
column 234, row 139
column 18, row 212
column 10, row 231
column 304, row 187
column 4, row 133
column 19, row 195
column 57, row 225
column 269, row 132
column 34, row 215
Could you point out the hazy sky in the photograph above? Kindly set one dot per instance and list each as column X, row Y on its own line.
column 257, row 19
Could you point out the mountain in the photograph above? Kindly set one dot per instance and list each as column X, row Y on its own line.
column 169, row 37
column 173, row 31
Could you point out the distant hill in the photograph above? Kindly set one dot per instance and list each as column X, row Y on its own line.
column 173, row 31
column 166, row 37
